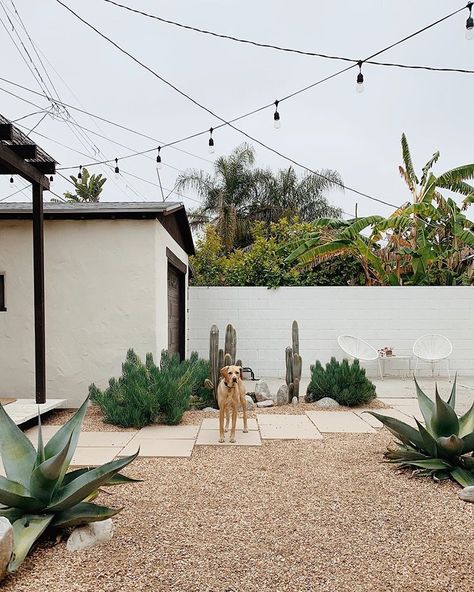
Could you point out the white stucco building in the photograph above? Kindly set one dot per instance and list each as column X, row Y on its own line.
column 115, row 277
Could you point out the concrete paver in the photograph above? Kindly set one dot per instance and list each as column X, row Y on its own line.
column 339, row 421
column 211, row 438
column 287, row 427
column 159, row 448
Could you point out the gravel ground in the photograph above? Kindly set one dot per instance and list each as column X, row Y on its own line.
column 286, row 517
column 93, row 420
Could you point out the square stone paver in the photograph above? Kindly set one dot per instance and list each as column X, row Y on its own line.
column 339, row 421
column 93, row 456
column 287, row 427
column 99, row 439
column 211, row 438
column 165, row 432
column 166, row 448
column 370, row 419
column 212, row 423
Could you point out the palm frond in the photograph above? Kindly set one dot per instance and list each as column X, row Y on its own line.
column 411, row 178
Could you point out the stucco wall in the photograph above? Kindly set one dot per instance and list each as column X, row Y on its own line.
column 383, row 316
column 105, row 288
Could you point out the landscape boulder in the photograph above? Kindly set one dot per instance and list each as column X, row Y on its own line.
column 327, row 403
column 262, row 392
column 467, row 494
column 282, row 395
column 267, row 403
column 6, row 545
column 90, row 535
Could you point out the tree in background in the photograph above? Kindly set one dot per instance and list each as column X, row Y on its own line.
column 239, row 194
column 88, row 188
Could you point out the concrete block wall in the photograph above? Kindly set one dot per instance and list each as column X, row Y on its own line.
column 383, row 316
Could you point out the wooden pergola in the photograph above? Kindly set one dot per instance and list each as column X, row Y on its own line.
column 19, row 155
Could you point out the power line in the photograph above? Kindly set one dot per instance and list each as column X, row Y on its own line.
column 287, row 49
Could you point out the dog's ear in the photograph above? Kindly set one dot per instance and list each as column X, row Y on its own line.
column 241, row 373
column 225, row 372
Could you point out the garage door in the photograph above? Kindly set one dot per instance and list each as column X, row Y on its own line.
column 175, row 311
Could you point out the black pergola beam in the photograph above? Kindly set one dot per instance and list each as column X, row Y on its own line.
column 46, row 167
column 25, row 150
column 6, row 131
column 15, row 165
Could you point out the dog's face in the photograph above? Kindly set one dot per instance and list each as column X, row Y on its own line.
column 231, row 374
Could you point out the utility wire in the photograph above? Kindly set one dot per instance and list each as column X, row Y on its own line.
column 288, row 49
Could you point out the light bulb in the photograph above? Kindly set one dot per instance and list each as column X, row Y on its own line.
column 211, row 142
column 117, row 170
column 360, row 80
column 211, row 149
column 470, row 28
column 159, row 164
column 360, row 87
column 277, row 123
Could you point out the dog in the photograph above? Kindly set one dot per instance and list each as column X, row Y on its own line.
column 231, row 392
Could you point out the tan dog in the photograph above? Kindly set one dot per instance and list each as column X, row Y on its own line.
column 231, row 392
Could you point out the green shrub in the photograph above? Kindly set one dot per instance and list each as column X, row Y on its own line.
column 147, row 393
column 344, row 382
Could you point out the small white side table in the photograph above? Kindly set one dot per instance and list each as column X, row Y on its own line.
column 395, row 357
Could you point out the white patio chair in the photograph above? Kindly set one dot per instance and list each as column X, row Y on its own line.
column 433, row 348
column 359, row 349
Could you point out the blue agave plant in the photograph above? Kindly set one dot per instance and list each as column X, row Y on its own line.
column 39, row 493
column 443, row 447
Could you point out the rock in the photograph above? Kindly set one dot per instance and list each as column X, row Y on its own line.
column 282, row 395
column 294, row 401
column 6, row 545
column 210, row 409
column 467, row 494
column 267, row 403
column 95, row 533
column 262, row 392
column 250, row 403
column 327, row 403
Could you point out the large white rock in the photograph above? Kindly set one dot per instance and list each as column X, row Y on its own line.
column 327, row 403
column 250, row 403
column 85, row 537
column 467, row 494
column 268, row 403
column 282, row 395
column 6, row 545
column 262, row 392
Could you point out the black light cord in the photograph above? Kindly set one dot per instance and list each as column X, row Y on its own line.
column 289, row 49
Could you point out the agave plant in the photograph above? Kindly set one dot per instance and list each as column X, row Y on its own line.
column 39, row 493
column 443, row 447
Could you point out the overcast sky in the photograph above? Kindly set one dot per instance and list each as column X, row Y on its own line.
column 330, row 126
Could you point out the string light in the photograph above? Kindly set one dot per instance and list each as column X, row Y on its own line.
column 11, row 179
column 117, row 170
column 211, row 142
column 159, row 164
column 469, row 23
column 276, row 117
column 79, row 174
column 360, row 79
column 51, row 179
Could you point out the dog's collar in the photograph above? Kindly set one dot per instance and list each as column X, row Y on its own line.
column 229, row 387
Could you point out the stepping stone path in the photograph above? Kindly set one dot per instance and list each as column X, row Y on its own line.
column 96, row 448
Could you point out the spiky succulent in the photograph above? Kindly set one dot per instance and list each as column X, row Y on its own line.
column 38, row 493
column 443, row 447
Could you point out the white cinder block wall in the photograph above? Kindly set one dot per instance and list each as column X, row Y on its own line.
column 383, row 316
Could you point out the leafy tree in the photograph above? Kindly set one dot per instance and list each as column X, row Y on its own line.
column 238, row 194
column 88, row 188
column 263, row 262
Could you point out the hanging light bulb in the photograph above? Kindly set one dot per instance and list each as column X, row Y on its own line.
column 11, row 179
column 360, row 79
column 211, row 142
column 470, row 23
column 117, row 170
column 159, row 164
column 276, row 117
column 51, row 179
column 79, row 174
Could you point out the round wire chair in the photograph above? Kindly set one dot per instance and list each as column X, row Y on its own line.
column 359, row 349
column 433, row 348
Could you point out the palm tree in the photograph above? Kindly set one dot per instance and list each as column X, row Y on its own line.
column 88, row 187
column 225, row 193
column 238, row 194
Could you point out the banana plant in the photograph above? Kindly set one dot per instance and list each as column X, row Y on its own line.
column 38, row 492
column 442, row 448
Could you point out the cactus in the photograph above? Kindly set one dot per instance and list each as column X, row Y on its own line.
column 220, row 357
column 294, row 364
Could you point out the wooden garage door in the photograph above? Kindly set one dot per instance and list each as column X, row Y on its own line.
column 175, row 311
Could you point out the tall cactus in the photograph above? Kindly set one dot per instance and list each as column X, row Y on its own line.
column 220, row 357
column 294, row 364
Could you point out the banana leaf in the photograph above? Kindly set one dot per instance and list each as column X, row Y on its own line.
column 26, row 531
